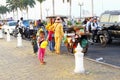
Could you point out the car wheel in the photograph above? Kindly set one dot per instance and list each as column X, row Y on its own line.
column 103, row 40
column 107, row 36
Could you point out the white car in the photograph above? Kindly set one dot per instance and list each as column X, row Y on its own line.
column 9, row 26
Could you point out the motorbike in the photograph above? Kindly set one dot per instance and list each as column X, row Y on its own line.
column 101, row 38
column 72, row 40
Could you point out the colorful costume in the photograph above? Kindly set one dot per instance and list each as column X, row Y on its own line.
column 58, row 27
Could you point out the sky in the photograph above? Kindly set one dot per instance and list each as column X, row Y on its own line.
column 63, row 8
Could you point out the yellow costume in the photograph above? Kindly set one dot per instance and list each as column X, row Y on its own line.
column 58, row 28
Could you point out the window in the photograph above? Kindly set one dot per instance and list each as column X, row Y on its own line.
column 114, row 18
column 104, row 18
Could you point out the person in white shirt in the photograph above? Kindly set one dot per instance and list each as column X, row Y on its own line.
column 21, row 25
column 31, row 28
column 94, row 28
column 88, row 25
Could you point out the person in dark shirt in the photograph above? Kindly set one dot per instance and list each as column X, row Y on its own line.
column 34, row 43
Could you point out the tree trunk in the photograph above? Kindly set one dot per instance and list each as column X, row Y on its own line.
column 17, row 14
column 13, row 14
column 41, row 11
column 27, row 12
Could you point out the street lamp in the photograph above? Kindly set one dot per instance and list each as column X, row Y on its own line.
column 80, row 4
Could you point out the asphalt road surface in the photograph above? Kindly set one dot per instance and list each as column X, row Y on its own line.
column 109, row 54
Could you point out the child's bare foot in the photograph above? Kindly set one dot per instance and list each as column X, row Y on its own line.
column 43, row 63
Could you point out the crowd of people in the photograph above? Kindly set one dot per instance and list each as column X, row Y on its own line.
column 52, row 34
column 54, row 31
column 92, row 26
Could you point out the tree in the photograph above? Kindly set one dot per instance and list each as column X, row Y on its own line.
column 28, row 3
column 3, row 10
column 12, row 5
column 21, row 4
column 40, row 1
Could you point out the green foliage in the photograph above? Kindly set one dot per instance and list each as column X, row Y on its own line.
column 21, row 4
column 40, row 1
column 77, row 23
column 3, row 9
column 69, row 23
column 44, row 22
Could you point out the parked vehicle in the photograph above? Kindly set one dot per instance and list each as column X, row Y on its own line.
column 9, row 26
column 110, row 22
column 25, row 28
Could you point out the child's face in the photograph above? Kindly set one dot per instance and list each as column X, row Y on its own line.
column 42, row 35
column 34, row 37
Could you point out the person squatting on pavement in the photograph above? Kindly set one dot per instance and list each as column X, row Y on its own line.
column 42, row 45
column 50, row 36
column 58, row 30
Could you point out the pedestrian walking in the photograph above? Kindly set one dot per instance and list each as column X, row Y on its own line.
column 42, row 45
column 21, row 26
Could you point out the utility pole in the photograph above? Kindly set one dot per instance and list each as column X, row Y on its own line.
column 47, row 9
column 92, row 6
column 53, row 7
column 80, row 4
column 70, row 8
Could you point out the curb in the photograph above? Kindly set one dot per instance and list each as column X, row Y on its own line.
column 106, row 64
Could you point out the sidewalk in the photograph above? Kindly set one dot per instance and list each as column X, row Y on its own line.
column 22, row 64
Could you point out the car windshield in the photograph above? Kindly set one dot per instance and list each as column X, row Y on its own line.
column 12, row 23
column 26, row 23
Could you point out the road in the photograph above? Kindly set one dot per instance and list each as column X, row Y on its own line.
column 110, row 53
